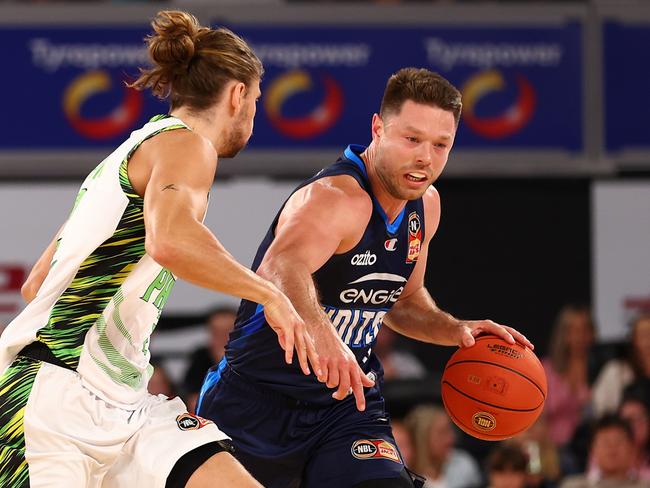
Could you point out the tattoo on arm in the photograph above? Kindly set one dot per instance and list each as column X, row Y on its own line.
column 170, row 187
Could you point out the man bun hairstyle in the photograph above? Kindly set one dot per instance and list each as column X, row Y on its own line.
column 191, row 64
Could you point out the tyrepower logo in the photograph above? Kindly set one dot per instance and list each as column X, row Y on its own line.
column 374, row 295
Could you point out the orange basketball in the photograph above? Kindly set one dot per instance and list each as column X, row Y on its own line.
column 494, row 390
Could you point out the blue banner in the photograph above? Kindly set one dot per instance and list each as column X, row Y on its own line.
column 64, row 87
column 522, row 87
column 627, row 78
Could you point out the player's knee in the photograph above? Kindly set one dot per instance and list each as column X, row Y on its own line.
column 406, row 480
column 190, row 462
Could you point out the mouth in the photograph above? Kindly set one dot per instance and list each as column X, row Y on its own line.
column 416, row 177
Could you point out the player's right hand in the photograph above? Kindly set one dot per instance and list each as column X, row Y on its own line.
column 339, row 366
column 290, row 328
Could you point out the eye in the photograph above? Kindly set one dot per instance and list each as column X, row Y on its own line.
column 441, row 145
column 412, row 139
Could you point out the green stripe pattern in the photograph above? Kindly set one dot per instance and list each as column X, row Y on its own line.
column 120, row 369
column 99, row 276
column 15, row 387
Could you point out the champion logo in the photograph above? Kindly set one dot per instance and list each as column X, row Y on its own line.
column 390, row 244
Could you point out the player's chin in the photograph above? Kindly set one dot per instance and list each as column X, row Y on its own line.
column 413, row 194
column 412, row 190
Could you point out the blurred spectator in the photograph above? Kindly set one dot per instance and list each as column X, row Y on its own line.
column 613, row 455
column 634, row 410
column 506, row 467
column 398, row 364
column 220, row 322
column 567, row 372
column 435, row 455
column 160, row 382
column 619, row 373
column 404, row 442
column 543, row 456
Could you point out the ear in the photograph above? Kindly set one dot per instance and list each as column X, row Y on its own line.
column 237, row 95
column 377, row 127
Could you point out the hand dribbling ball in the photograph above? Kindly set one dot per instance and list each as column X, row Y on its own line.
column 494, row 390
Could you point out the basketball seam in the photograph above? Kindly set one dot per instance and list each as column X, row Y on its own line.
column 499, row 366
column 491, row 404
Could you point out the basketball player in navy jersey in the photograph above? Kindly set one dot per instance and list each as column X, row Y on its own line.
column 349, row 248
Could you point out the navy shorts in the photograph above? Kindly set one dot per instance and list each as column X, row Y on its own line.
column 287, row 444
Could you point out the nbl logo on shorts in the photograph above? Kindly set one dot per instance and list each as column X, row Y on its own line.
column 375, row 449
column 187, row 421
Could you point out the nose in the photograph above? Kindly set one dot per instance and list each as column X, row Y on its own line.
column 425, row 157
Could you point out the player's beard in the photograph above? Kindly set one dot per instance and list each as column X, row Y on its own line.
column 236, row 139
column 391, row 183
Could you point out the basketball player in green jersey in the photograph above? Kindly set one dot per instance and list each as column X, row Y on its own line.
column 74, row 365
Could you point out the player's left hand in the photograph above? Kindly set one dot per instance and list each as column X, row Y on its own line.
column 469, row 329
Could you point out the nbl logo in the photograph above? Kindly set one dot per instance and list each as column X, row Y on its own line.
column 187, row 421
column 375, row 449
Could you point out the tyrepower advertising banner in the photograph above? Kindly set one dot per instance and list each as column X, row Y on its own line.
column 627, row 78
column 522, row 86
column 64, row 88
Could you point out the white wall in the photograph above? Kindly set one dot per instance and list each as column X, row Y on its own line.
column 621, row 254
column 240, row 213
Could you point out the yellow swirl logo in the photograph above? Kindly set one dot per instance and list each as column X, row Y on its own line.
column 118, row 121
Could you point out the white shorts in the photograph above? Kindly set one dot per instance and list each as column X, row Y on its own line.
column 72, row 438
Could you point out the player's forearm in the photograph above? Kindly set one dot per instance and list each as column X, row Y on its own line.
column 295, row 280
column 39, row 272
column 195, row 255
column 418, row 317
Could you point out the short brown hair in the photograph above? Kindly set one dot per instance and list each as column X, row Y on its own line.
column 420, row 86
column 507, row 457
column 192, row 63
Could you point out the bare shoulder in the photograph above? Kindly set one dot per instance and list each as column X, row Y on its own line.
column 184, row 145
column 432, row 210
column 175, row 156
column 431, row 197
column 339, row 195
column 337, row 200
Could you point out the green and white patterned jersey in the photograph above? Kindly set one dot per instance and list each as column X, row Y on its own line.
column 103, row 295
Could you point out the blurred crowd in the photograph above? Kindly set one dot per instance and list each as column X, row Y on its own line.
column 594, row 431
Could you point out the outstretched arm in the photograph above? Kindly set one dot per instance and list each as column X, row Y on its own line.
column 175, row 200
column 325, row 218
column 416, row 314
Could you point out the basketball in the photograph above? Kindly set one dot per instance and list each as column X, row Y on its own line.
column 494, row 390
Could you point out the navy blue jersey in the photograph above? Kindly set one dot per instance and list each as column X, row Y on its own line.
column 356, row 290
